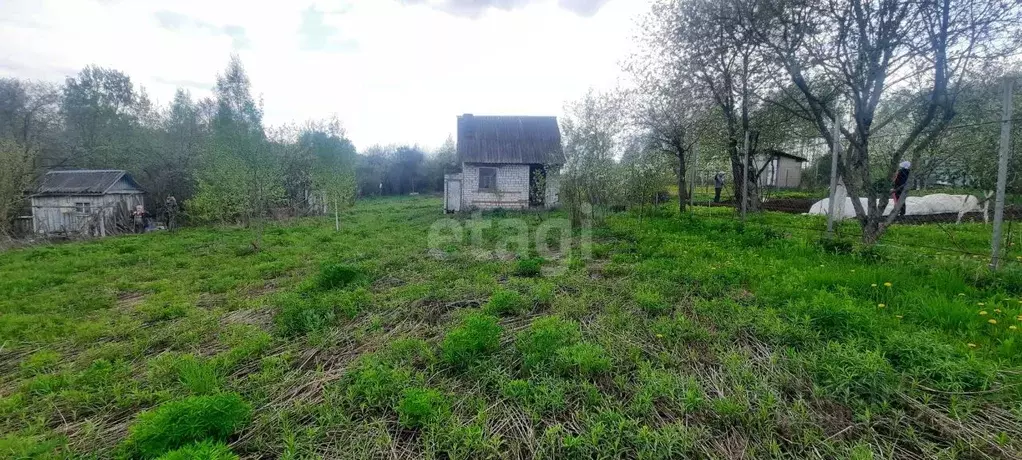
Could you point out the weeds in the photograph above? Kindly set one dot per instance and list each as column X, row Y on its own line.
column 477, row 336
column 178, row 423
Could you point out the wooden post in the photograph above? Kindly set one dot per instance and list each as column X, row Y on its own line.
column 835, row 154
column 337, row 216
column 1002, row 170
column 745, row 178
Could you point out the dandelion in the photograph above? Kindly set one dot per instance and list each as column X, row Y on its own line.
column 659, row 336
column 980, row 303
column 1013, row 327
column 971, row 345
column 880, row 305
column 992, row 321
column 873, row 285
column 997, row 310
column 888, row 284
column 983, row 313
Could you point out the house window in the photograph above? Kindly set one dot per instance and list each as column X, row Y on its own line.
column 487, row 179
column 83, row 208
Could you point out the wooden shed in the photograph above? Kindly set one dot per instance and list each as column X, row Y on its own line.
column 509, row 162
column 780, row 169
column 84, row 202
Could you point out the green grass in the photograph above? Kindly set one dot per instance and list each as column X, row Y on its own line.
column 682, row 336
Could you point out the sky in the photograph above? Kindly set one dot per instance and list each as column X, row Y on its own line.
column 393, row 71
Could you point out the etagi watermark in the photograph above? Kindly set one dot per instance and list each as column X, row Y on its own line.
column 555, row 240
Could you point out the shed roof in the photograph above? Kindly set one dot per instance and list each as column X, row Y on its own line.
column 780, row 153
column 82, row 182
column 509, row 140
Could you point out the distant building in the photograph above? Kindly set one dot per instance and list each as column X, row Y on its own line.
column 508, row 162
column 84, row 202
column 779, row 169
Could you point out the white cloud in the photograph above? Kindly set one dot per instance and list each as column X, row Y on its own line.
column 393, row 73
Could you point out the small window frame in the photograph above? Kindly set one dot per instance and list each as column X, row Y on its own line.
column 83, row 207
column 487, row 179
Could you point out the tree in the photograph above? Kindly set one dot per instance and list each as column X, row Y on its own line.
column 592, row 131
column 15, row 178
column 863, row 52
column 98, row 109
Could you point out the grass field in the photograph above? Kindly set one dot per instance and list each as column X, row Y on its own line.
column 687, row 336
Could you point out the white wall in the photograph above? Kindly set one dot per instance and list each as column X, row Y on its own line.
column 512, row 187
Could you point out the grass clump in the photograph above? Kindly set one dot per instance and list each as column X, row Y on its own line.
column 299, row 314
column 583, row 359
column 178, row 423
column 421, row 406
column 506, row 302
column 336, row 276
column 540, row 343
column 376, row 384
column 205, row 450
column 478, row 335
column 528, row 268
column 650, row 299
column 851, row 374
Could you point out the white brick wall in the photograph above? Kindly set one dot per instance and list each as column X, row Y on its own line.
column 512, row 188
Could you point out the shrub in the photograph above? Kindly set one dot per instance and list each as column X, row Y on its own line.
column 177, row 423
column 505, row 302
column 376, row 384
column 300, row 314
column 205, row 450
column 583, row 359
column 476, row 336
column 336, row 276
column 539, row 344
column 528, row 268
column 420, row 406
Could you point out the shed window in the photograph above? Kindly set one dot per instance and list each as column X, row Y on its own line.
column 488, row 179
column 83, row 207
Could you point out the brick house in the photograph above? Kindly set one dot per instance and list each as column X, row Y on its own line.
column 508, row 162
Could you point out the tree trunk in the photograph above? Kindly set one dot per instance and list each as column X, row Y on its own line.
column 682, row 195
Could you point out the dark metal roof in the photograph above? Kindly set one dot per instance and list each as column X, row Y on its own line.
column 509, row 139
column 82, row 182
column 779, row 153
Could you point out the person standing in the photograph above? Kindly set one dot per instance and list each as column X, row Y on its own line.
column 170, row 207
column 718, row 185
column 900, row 188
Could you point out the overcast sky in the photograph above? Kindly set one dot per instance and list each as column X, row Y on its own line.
column 393, row 71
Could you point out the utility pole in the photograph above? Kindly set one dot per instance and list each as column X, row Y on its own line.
column 745, row 178
column 835, row 153
column 1002, row 170
column 695, row 175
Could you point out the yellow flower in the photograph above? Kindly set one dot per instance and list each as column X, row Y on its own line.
column 888, row 284
column 898, row 316
column 659, row 336
column 984, row 312
column 880, row 305
column 873, row 285
column 992, row 321
column 980, row 303
column 1013, row 327
column 971, row 345
column 997, row 310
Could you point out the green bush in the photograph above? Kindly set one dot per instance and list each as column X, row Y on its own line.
column 477, row 335
column 336, row 276
column 583, row 359
column 505, row 302
column 205, row 450
column 540, row 343
column 375, row 384
column 299, row 314
column 421, row 406
column 178, row 423
column 528, row 268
